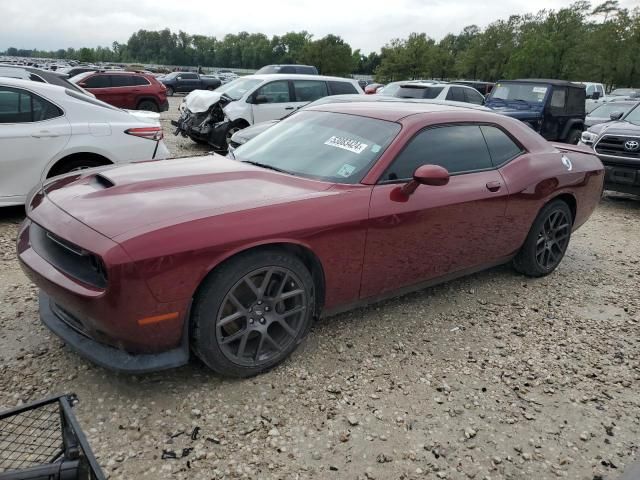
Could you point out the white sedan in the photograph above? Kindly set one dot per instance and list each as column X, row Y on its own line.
column 47, row 130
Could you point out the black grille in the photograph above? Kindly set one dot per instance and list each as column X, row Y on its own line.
column 615, row 145
column 67, row 257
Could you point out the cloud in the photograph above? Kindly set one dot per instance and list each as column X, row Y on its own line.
column 365, row 25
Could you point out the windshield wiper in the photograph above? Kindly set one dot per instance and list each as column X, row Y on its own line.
column 268, row 167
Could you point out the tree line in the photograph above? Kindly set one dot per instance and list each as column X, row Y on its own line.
column 579, row 42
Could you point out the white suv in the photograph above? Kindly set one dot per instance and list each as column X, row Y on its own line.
column 213, row 117
column 47, row 130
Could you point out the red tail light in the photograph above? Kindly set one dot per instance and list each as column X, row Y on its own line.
column 150, row 133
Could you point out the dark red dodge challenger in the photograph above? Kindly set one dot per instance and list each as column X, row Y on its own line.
column 337, row 206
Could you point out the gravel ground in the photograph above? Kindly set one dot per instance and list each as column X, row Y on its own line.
column 178, row 145
column 494, row 376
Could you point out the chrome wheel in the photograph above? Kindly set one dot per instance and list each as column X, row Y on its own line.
column 260, row 316
column 553, row 239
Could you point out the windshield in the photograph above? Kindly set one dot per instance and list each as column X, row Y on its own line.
column 416, row 91
column 634, row 115
column 623, row 92
column 237, row 88
column 605, row 110
column 528, row 92
column 81, row 76
column 322, row 145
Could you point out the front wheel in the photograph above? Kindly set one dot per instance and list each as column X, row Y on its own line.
column 252, row 312
column 546, row 242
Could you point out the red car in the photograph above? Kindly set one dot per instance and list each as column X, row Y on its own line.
column 336, row 206
column 131, row 90
column 372, row 88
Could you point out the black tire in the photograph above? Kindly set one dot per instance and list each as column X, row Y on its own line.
column 170, row 91
column 255, row 323
column 74, row 165
column 148, row 105
column 233, row 128
column 199, row 140
column 547, row 241
column 574, row 136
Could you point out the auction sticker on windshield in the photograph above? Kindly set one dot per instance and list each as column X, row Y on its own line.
column 346, row 143
column 346, row 170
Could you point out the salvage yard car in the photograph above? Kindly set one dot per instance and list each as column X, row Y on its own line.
column 185, row 82
column 339, row 205
column 617, row 144
column 213, row 117
column 553, row 108
column 47, row 130
column 132, row 90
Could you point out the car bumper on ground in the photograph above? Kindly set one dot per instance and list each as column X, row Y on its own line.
column 126, row 329
column 57, row 320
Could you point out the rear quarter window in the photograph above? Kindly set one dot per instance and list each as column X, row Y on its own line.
column 341, row 88
column 502, row 148
column 97, row 81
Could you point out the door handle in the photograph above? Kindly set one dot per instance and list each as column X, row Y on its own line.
column 44, row 134
column 288, row 108
column 494, row 186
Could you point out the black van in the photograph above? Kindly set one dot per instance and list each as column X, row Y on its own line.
column 303, row 69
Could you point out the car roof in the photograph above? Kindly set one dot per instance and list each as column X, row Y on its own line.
column 394, row 111
column 298, row 76
column 31, row 85
column 549, row 81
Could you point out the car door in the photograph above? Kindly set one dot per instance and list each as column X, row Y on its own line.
column 100, row 85
column 436, row 230
column 122, row 94
column 272, row 101
column 32, row 131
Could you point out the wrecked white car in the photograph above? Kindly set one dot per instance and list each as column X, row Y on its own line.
column 213, row 117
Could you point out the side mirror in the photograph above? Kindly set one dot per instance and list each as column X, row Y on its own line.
column 433, row 175
column 616, row 115
column 595, row 95
column 258, row 99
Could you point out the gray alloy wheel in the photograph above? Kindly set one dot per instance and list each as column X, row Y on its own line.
column 553, row 239
column 260, row 316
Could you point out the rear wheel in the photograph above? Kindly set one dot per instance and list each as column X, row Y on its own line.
column 574, row 136
column 148, row 105
column 75, row 165
column 252, row 312
column 547, row 241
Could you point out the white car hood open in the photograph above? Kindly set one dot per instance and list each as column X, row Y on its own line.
column 200, row 101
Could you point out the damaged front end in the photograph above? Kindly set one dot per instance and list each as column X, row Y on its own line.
column 202, row 118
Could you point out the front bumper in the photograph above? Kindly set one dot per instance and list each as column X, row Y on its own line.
column 60, row 323
column 196, row 126
column 624, row 179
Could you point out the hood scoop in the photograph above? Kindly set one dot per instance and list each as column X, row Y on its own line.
column 102, row 182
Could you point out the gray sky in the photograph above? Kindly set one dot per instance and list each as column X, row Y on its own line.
column 365, row 24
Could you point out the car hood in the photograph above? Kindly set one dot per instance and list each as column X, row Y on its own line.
column 616, row 128
column 151, row 195
column 200, row 101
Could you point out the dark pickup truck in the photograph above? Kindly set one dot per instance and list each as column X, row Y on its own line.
column 187, row 82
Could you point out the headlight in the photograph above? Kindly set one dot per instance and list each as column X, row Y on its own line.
column 589, row 137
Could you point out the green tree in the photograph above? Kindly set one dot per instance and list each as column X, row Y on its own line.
column 330, row 54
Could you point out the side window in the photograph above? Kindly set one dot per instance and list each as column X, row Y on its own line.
column 501, row 147
column 276, row 92
column 98, row 81
column 140, row 81
column 600, row 89
column 456, row 94
column 36, row 78
column 458, row 148
column 189, row 76
column 472, row 96
column 287, row 69
column 558, row 99
column 121, row 80
column 341, row 88
column 432, row 92
column 18, row 106
column 309, row 90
